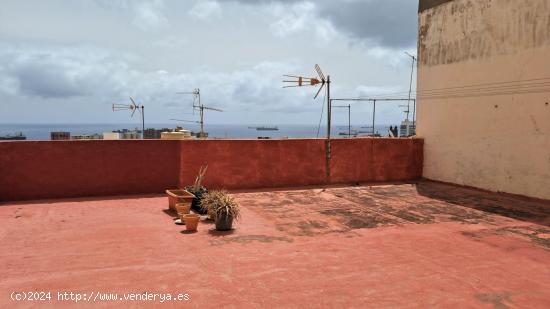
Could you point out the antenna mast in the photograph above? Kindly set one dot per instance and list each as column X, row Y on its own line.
column 133, row 107
column 300, row 81
column 410, row 90
column 200, row 107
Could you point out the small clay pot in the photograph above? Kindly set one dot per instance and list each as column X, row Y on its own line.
column 191, row 221
column 183, row 208
column 180, row 216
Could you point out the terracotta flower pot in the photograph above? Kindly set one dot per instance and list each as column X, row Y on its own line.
column 178, row 196
column 191, row 221
column 183, row 208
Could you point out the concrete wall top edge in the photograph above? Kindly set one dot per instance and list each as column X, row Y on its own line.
column 195, row 140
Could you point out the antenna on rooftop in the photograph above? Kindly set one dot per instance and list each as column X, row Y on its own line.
column 133, row 107
column 197, row 105
column 300, row 81
column 414, row 59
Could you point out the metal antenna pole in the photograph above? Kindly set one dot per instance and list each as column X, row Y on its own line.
column 142, row 122
column 349, row 115
column 202, row 120
column 414, row 114
column 349, row 120
column 410, row 90
column 329, row 115
column 373, row 115
column 299, row 81
column 329, row 109
column 202, row 113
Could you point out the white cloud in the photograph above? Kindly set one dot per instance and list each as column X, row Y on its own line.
column 146, row 15
column 389, row 23
column 59, row 72
column 205, row 9
column 236, row 58
column 149, row 15
column 300, row 17
column 69, row 73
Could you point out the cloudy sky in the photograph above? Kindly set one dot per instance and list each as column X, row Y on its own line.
column 68, row 61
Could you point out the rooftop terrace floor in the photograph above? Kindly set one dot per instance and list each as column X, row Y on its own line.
column 391, row 245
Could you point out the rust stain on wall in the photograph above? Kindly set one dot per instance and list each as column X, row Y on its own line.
column 476, row 29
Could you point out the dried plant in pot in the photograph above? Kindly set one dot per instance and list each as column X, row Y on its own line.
column 223, row 207
column 198, row 191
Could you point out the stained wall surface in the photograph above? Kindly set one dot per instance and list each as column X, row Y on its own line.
column 483, row 94
column 54, row 169
column 237, row 164
column 57, row 169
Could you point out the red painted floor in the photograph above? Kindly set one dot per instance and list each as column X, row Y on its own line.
column 399, row 245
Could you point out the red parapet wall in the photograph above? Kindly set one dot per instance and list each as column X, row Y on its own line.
column 57, row 169
column 376, row 159
column 246, row 164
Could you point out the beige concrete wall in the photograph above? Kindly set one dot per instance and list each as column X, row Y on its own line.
column 498, row 138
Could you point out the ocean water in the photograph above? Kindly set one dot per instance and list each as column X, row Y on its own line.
column 42, row 131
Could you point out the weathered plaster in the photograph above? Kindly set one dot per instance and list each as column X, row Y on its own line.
column 472, row 29
column 499, row 142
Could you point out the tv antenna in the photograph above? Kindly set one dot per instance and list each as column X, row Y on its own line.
column 197, row 105
column 414, row 59
column 133, row 107
column 300, row 81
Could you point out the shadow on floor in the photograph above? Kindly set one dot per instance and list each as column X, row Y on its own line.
column 217, row 233
column 171, row 213
column 79, row 199
column 515, row 207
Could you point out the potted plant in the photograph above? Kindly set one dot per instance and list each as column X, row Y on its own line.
column 198, row 191
column 208, row 201
column 191, row 221
column 176, row 196
column 223, row 207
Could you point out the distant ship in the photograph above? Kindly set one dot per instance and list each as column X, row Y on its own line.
column 346, row 133
column 17, row 137
column 263, row 128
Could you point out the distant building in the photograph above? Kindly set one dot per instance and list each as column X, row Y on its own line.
column 123, row 134
column 57, row 136
column 403, row 128
column 178, row 133
column 200, row 135
column 111, row 135
column 87, row 136
column 131, row 135
column 151, row 133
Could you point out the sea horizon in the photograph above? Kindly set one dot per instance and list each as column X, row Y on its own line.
column 41, row 131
